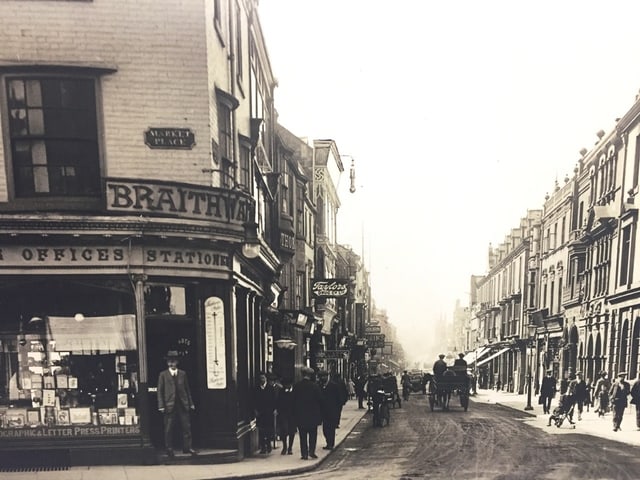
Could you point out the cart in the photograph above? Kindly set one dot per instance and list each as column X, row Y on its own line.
column 441, row 389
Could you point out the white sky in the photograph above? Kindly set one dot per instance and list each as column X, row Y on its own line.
column 460, row 116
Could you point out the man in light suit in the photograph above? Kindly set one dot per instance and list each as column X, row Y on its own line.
column 174, row 400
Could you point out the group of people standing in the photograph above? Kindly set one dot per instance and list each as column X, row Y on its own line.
column 576, row 393
column 286, row 408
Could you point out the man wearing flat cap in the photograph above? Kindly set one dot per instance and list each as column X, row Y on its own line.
column 174, row 400
column 578, row 389
column 618, row 395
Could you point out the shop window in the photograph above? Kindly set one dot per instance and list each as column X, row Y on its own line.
column 54, row 136
column 164, row 300
column 58, row 372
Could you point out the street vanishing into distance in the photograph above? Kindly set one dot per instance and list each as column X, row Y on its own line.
column 488, row 442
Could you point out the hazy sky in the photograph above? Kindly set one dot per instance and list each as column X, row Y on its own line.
column 460, row 117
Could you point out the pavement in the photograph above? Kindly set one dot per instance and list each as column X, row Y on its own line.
column 590, row 424
column 258, row 466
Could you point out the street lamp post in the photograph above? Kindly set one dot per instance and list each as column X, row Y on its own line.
column 531, row 329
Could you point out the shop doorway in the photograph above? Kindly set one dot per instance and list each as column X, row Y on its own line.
column 165, row 334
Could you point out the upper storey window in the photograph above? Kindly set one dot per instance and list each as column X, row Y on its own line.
column 54, row 136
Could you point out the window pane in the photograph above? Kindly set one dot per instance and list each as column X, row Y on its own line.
column 34, row 95
column 16, row 94
column 18, row 122
column 36, row 122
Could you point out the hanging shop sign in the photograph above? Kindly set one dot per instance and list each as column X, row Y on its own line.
column 170, row 137
column 178, row 200
column 215, row 346
column 375, row 340
column 372, row 329
column 339, row 354
column 329, row 288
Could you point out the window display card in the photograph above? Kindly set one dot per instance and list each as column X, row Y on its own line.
column 35, row 358
column 63, row 417
column 49, row 381
column 62, row 381
column 26, row 383
column 36, row 370
column 16, row 417
column 49, row 416
column 49, row 398
column 73, row 382
column 113, row 418
column 123, row 400
column 54, row 358
column 104, row 417
column 36, row 381
column 129, row 412
column 80, row 415
column 33, row 417
column 121, row 420
column 36, row 398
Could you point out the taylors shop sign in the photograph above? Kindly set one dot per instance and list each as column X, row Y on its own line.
column 329, row 288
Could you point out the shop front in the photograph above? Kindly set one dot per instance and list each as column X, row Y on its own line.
column 90, row 308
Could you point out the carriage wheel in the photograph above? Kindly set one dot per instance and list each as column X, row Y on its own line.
column 432, row 402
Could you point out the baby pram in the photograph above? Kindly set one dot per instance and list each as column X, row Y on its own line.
column 563, row 411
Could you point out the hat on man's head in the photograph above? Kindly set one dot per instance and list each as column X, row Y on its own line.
column 172, row 354
column 442, row 355
column 550, row 371
column 307, row 371
column 578, row 373
column 622, row 374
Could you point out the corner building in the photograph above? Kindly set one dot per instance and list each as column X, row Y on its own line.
column 135, row 199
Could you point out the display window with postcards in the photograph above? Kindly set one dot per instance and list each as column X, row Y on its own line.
column 61, row 372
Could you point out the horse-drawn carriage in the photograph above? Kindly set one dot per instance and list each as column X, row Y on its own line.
column 441, row 388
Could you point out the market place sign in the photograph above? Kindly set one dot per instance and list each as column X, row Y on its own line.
column 170, row 137
column 178, row 200
column 329, row 288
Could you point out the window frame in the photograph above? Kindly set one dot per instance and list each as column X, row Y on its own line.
column 51, row 201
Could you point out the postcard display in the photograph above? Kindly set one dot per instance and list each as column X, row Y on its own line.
column 49, row 387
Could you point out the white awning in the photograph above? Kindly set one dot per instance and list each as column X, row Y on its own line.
column 493, row 356
column 474, row 356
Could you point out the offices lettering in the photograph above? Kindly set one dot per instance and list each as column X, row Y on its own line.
column 89, row 256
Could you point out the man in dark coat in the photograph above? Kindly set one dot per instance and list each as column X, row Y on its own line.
column 579, row 388
column 460, row 365
column 547, row 391
column 618, row 395
column 174, row 400
column 344, row 393
column 264, row 405
column 286, row 421
column 307, row 412
column 440, row 366
column 331, row 406
column 361, row 381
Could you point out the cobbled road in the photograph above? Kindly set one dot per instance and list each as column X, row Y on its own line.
column 486, row 442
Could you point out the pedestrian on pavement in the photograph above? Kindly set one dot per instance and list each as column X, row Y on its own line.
column 618, row 395
column 264, row 407
column 548, row 391
column 635, row 398
column 601, row 393
column 286, row 421
column 344, row 393
column 351, row 386
column 589, row 400
column 331, row 407
column 307, row 412
column 361, row 393
column 174, row 400
column 579, row 388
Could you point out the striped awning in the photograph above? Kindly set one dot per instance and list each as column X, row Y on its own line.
column 497, row 354
column 476, row 355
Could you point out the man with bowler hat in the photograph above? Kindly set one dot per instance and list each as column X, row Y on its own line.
column 174, row 400
column 307, row 412
column 331, row 407
column 618, row 395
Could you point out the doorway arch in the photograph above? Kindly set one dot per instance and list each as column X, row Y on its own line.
column 622, row 346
